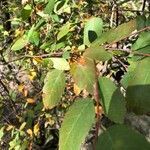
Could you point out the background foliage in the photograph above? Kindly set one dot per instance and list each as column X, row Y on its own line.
column 65, row 66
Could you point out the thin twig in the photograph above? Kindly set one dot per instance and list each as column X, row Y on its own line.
column 112, row 16
column 59, row 54
column 127, row 51
column 134, row 33
column 143, row 6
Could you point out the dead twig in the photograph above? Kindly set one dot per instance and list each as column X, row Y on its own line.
column 59, row 54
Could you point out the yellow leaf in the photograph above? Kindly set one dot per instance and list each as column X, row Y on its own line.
column 29, row 131
column 37, row 60
column 22, row 126
column 9, row 127
column 32, row 74
column 76, row 89
column 30, row 100
column 50, row 121
column 20, row 88
column 36, row 129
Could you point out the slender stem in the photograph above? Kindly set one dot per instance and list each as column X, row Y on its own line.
column 97, row 101
column 128, row 51
column 59, row 54
column 143, row 6
column 139, row 31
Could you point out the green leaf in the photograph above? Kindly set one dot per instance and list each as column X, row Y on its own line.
column 137, row 94
column 112, row 100
column 148, row 21
column 117, row 34
column 39, row 24
column 84, row 74
column 129, row 74
column 54, row 85
column 93, row 30
column 143, row 50
column 35, row 38
column 77, row 122
column 60, row 63
column 25, row 13
column 49, row 7
column 2, row 132
column 121, row 137
column 141, row 22
column 142, row 41
column 97, row 53
column 63, row 31
column 19, row 43
column 62, row 7
column 57, row 46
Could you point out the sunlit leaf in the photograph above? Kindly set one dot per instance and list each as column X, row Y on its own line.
column 62, row 7
column 93, row 30
column 49, row 7
column 54, row 85
column 35, row 38
column 29, row 131
column 142, row 41
column 60, row 63
column 63, row 31
column 83, row 74
column 117, row 34
column 36, row 129
column 31, row 100
column 22, row 126
column 76, row 89
column 9, row 127
column 19, row 43
column 2, row 132
column 77, row 122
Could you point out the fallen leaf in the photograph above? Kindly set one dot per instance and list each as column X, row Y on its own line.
column 30, row 100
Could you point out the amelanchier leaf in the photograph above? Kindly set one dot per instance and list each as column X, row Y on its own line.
column 54, row 85
column 142, row 41
column 137, row 94
column 49, row 7
column 77, row 122
column 117, row 34
column 113, row 101
column 129, row 74
column 121, row 137
column 83, row 73
column 60, row 63
column 63, row 31
column 97, row 53
column 19, row 43
column 141, row 22
column 93, row 30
